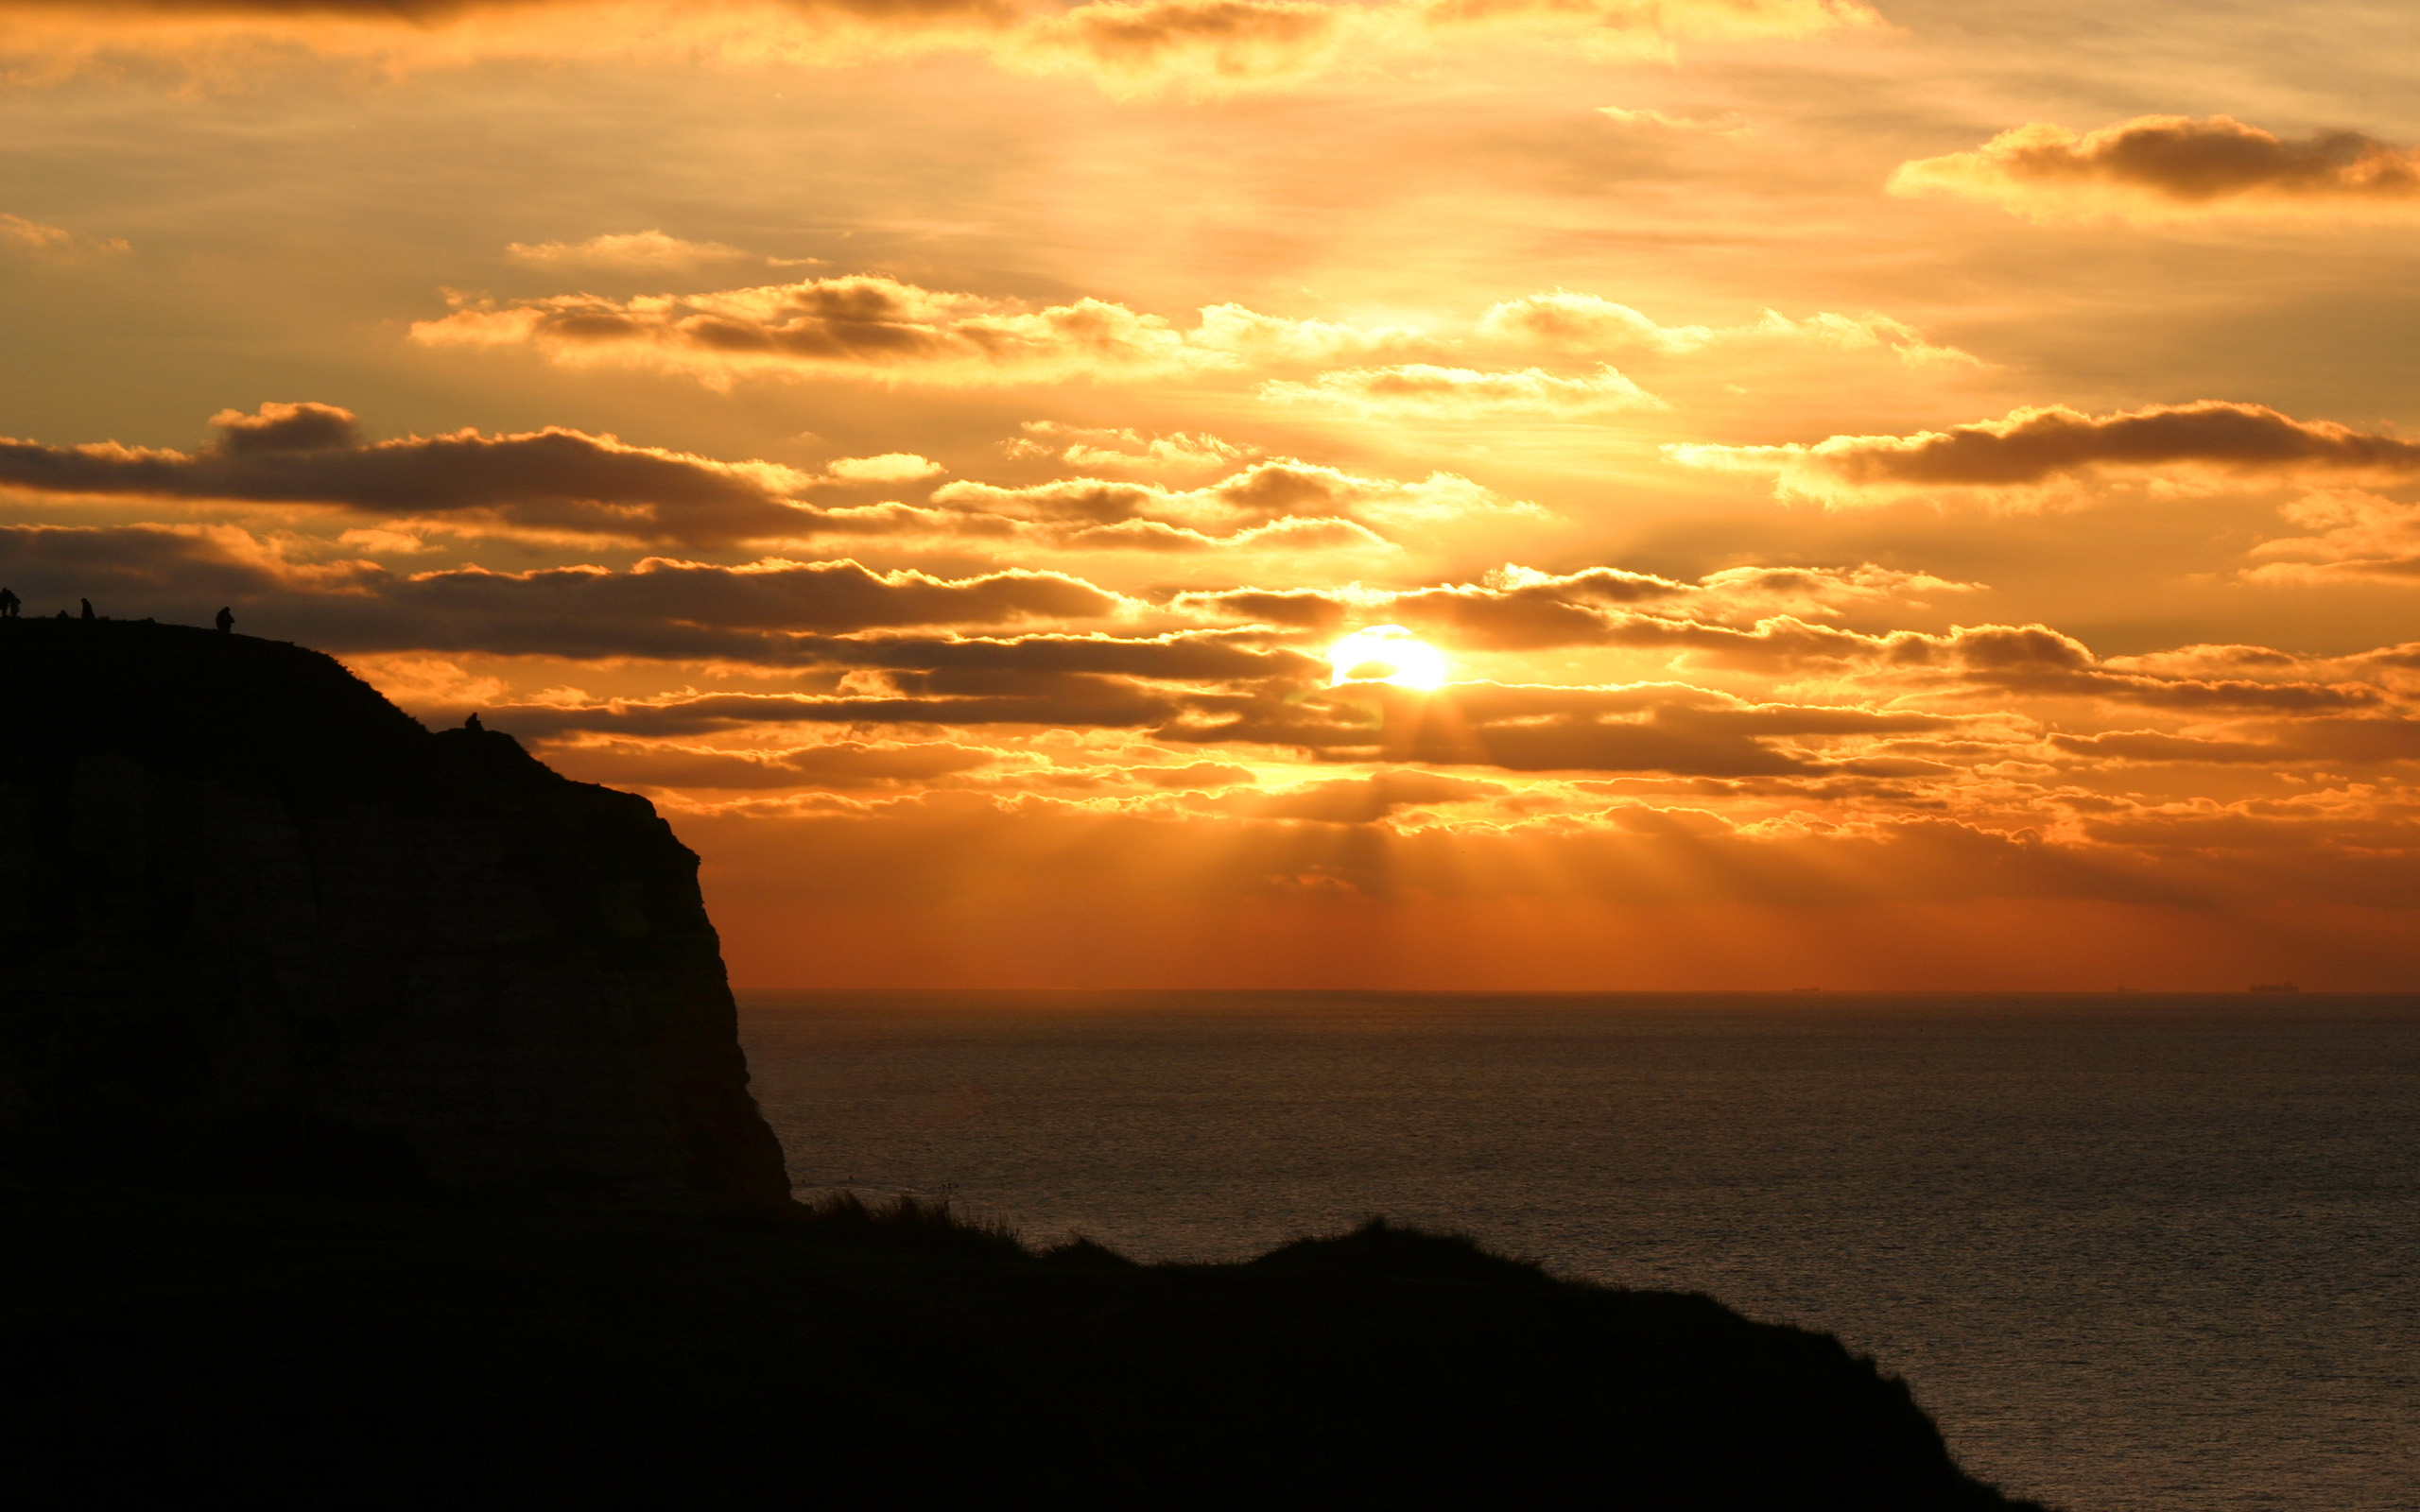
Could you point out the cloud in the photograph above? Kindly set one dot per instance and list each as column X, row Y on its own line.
column 645, row 251
column 19, row 234
column 1423, row 389
column 1355, row 799
column 1128, row 48
column 1728, row 124
column 1626, row 28
column 1587, row 325
column 1280, row 502
column 278, row 426
column 2156, row 167
column 1099, row 447
column 565, row 485
column 1519, row 608
column 1277, row 536
column 1072, row 702
column 2354, row 535
column 213, row 39
column 768, row 610
column 2034, row 446
column 839, row 766
column 874, row 329
column 1857, row 333
column 891, row 467
column 2156, row 746
column 880, row 330
column 552, row 480
column 1725, row 620
column 1195, row 776
column 1655, row 728
column 1640, row 727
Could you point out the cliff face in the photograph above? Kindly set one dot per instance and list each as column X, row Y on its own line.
column 254, row 920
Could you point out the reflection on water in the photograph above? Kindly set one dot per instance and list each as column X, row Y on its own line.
column 2134, row 1252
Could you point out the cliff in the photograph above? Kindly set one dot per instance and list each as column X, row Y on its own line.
column 257, row 923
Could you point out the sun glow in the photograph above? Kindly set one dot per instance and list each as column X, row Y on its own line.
column 1386, row 653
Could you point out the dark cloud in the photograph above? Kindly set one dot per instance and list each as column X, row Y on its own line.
column 1651, row 727
column 551, row 480
column 1191, row 657
column 2032, row 446
column 859, row 324
column 2175, row 159
column 554, row 609
column 1519, row 609
column 1276, row 503
column 839, row 766
column 2152, row 745
column 285, row 427
column 1215, row 40
column 1076, row 700
column 2354, row 738
column 773, row 612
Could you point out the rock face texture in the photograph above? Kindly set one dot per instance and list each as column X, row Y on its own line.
column 257, row 922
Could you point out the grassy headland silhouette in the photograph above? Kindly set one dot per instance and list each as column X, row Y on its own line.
column 375, row 1133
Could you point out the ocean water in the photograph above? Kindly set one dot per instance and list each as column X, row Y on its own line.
column 2135, row 1253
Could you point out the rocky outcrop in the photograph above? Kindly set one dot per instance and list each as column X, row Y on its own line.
column 255, row 921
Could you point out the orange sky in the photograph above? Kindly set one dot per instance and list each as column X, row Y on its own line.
column 1904, row 497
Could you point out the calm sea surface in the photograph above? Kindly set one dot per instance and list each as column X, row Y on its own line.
column 2134, row 1252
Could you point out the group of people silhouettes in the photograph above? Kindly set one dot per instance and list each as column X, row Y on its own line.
column 12, row 607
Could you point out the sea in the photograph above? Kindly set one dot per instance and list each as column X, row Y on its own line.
column 2135, row 1253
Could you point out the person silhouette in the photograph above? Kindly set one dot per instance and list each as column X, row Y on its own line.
column 226, row 622
column 88, row 609
column 473, row 722
column 10, row 603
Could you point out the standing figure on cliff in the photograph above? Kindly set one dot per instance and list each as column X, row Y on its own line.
column 88, row 608
column 473, row 722
column 226, row 622
column 10, row 603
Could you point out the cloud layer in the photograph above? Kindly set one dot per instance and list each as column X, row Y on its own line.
column 1126, row 48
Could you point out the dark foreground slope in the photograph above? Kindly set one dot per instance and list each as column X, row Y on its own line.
column 352, row 1353
column 253, row 919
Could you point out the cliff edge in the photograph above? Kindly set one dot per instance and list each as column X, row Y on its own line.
column 256, row 922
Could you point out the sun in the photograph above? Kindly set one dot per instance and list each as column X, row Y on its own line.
column 1386, row 653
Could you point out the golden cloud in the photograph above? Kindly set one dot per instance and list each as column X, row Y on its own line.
column 1425, row 389
column 645, row 251
column 2354, row 534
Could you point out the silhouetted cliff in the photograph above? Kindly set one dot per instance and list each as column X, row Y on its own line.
column 257, row 922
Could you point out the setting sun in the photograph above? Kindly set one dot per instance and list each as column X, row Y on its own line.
column 1387, row 653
